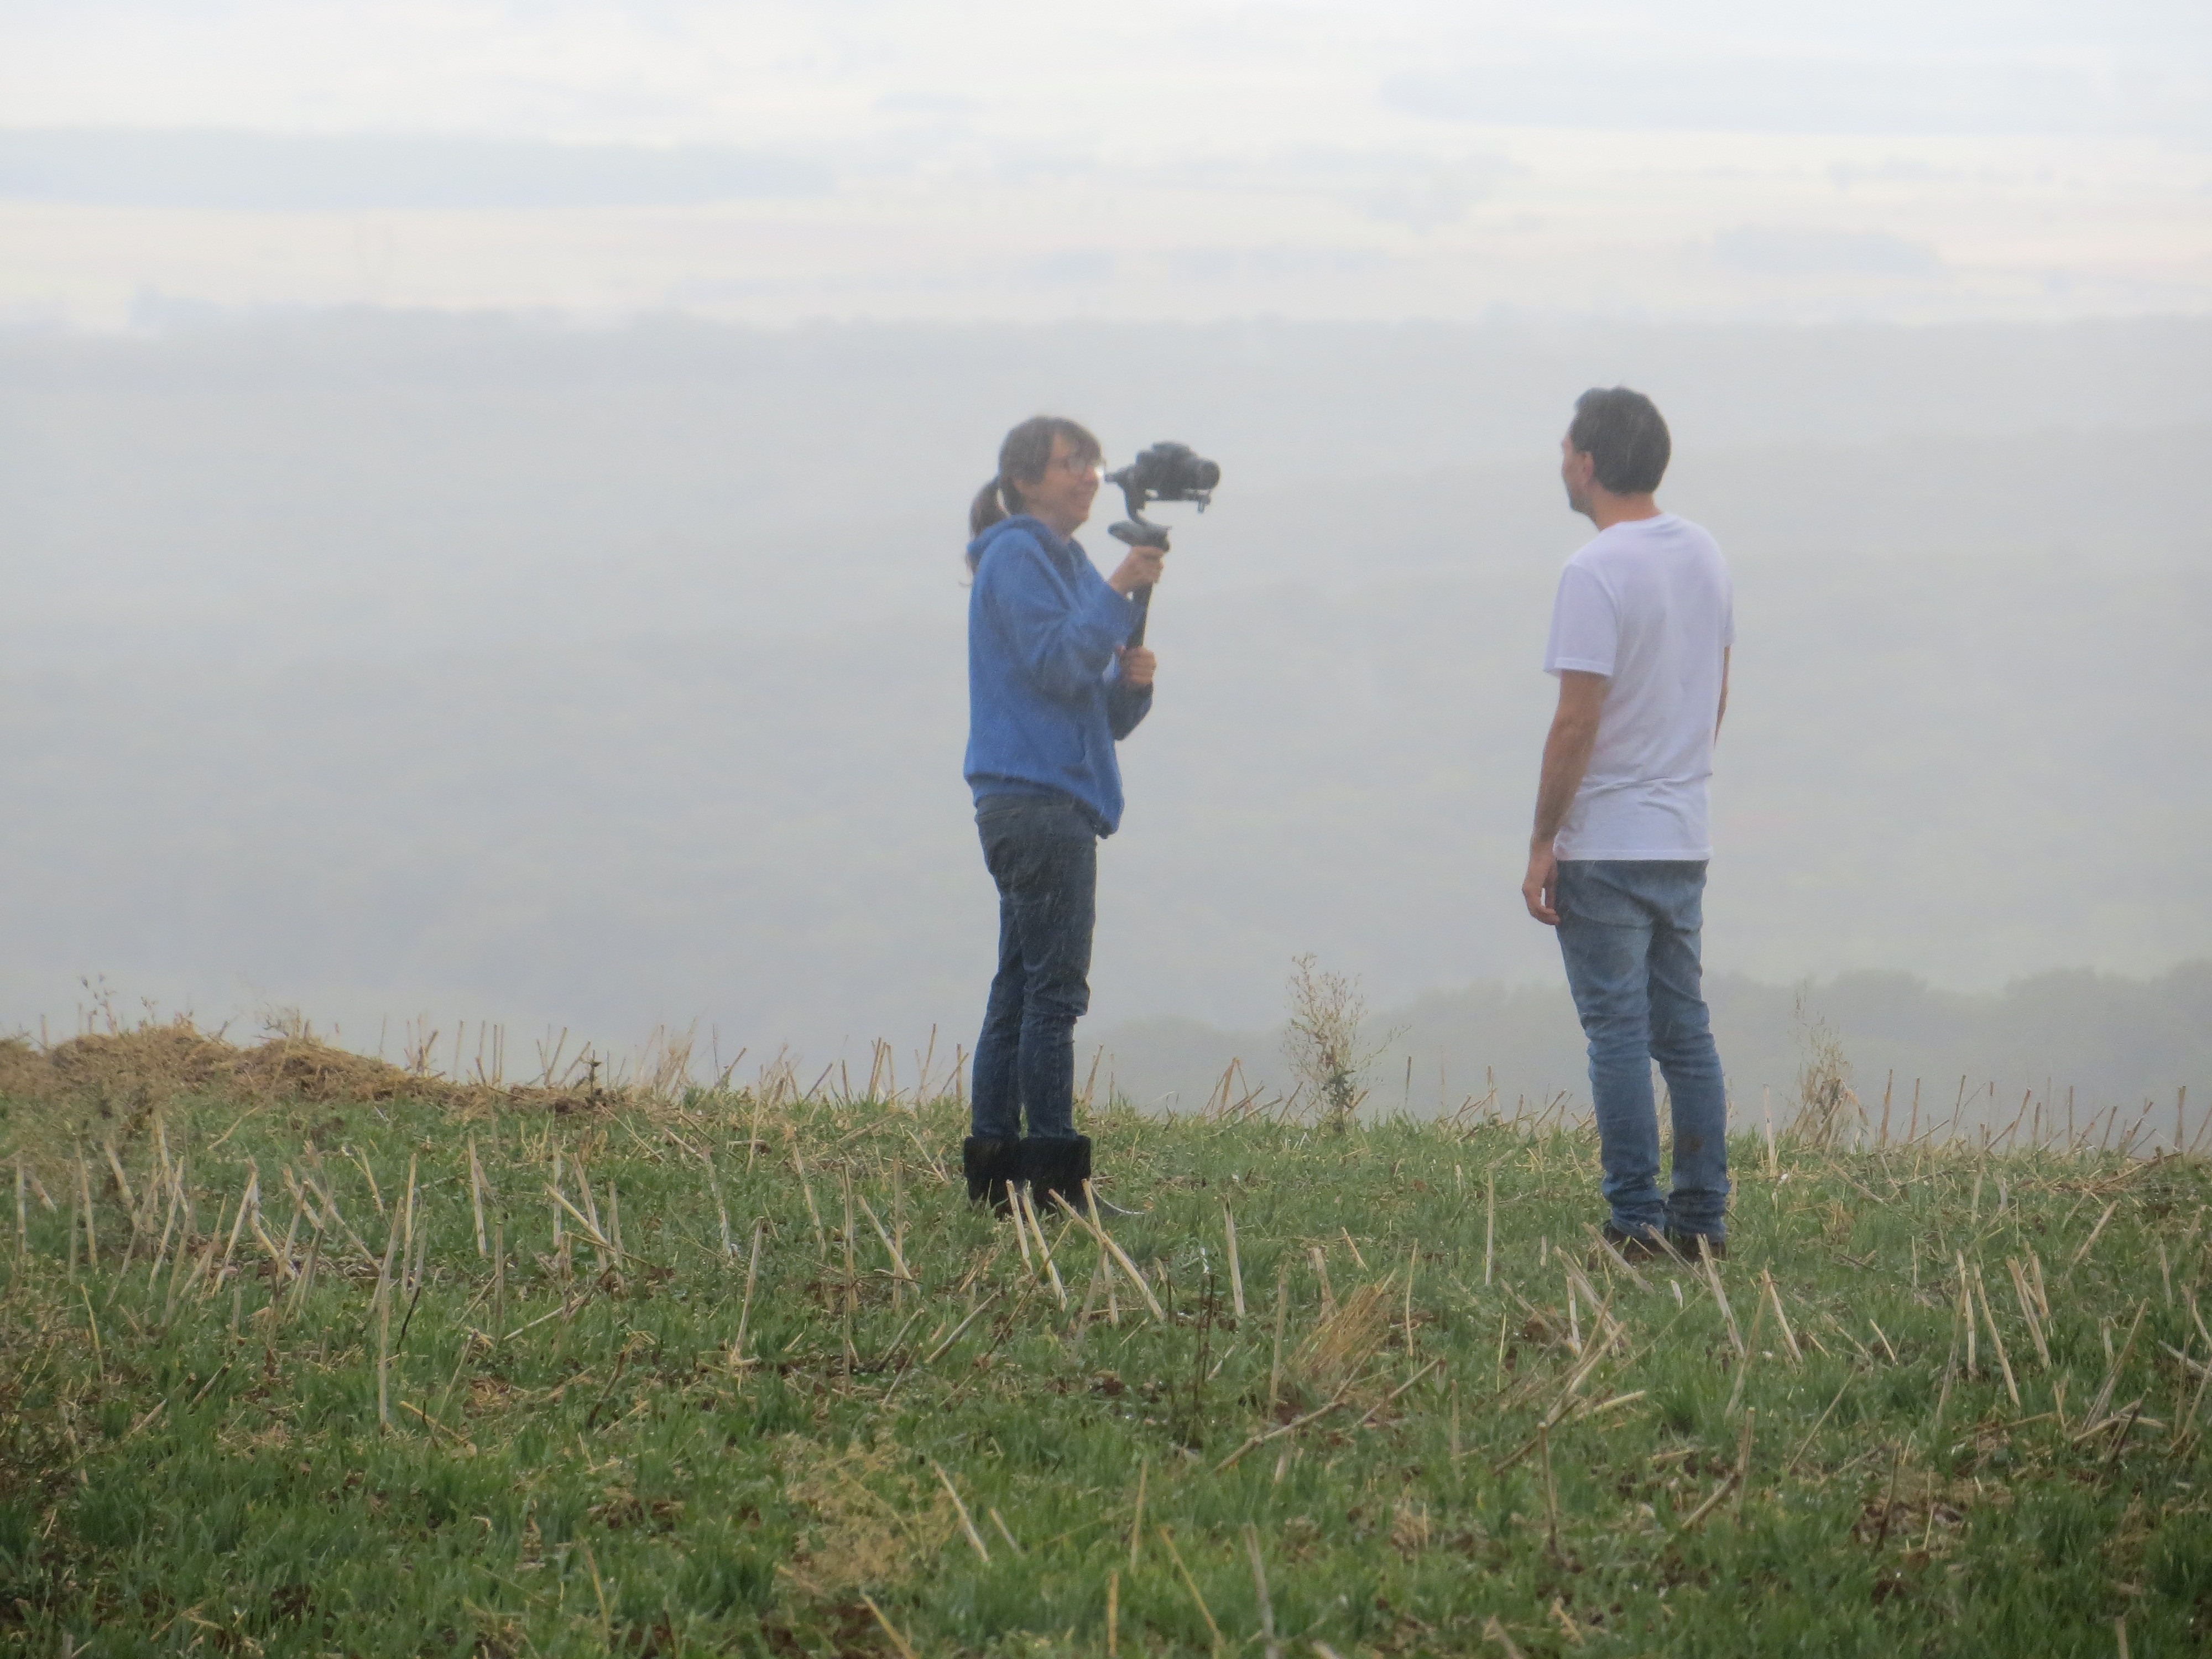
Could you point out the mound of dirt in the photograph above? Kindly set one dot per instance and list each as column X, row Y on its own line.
column 143, row 1067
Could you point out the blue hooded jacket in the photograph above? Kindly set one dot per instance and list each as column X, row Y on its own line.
column 1046, row 703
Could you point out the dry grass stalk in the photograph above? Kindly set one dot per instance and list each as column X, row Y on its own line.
column 1391, row 1398
column 383, row 1327
column 1733, row 1481
column 1106, row 1242
column 1137, row 1516
column 1269, row 1647
column 899, row 1642
column 1743, row 1458
column 1550, row 1486
column 890, row 1246
column 84, row 1196
column 122, row 1182
column 721, row 1210
column 1605, row 1247
column 2091, row 1240
column 1345, row 1339
column 476, row 1197
column 1744, row 1362
column 967, row 1525
column 974, row 1313
column 1601, row 1309
column 1996, row 1338
column 1282, row 1312
column 246, row 1201
column 852, row 1262
column 1720, row 1296
column 2104, row 1400
column 1489, row 1223
column 1781, row 1319
column 1235, row 1269
column 1191, row 1584
column 1044, row 1251
column 1412, row 1265
column 589, row 1216
column 281, row 1258
column 1289, row 1428
column 1021, row 1230
column 2026, row 1300
column 1315, row 1254
column 737, row 1359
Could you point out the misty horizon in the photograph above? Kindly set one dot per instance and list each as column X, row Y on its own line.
column 385, row 665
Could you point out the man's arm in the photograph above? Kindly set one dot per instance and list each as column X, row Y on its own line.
column 1726, row 652
column 1567, row 756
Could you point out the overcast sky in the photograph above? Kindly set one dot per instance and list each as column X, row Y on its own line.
column 1391, row 159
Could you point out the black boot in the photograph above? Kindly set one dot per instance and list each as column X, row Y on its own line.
column 1691, row 1246
column 989, row 1164
column 1056, row 1168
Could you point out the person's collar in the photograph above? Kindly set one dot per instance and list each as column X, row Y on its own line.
column 1052, row 538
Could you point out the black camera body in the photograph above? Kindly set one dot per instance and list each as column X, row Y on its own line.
column 1165, row 472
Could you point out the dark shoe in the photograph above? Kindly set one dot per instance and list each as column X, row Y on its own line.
column 1634, row 1249
column 989, row 1164
column 1056, row 1168
column 1694, row 1247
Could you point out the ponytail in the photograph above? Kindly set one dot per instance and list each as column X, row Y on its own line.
column 986, row 510
column 1024, row 455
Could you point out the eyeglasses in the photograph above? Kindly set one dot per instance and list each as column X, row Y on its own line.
column 1076, row 465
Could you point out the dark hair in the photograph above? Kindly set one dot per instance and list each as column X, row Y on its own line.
column 1622, row 432
column 1024, row 455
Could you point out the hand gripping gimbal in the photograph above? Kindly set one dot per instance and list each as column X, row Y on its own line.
column 1165, row 472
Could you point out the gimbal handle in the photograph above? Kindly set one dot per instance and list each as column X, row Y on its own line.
column 1138, row 531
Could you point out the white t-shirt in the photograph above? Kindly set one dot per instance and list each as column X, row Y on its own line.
column 1648, row 604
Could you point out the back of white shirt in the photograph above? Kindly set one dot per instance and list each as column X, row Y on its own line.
column 1648, row 604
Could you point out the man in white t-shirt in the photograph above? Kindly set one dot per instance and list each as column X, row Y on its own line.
column 1641, row 634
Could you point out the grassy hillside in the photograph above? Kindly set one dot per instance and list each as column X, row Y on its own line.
column 340, row 1359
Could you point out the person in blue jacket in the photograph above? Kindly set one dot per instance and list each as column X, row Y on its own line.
column 1053, row 685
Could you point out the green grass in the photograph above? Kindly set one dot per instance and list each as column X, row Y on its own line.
column 197, row 1462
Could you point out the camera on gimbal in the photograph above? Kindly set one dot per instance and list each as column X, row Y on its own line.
column 1165, row 472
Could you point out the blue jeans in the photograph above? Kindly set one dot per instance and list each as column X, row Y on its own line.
column 1628, row 930
column 1043, row 854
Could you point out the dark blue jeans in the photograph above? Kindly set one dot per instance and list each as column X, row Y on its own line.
column 1629, row 930
column 1043, row 854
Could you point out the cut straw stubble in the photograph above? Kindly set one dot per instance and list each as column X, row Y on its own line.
column 1720, row 1296
column 1270, row 1648
column 1191, row 1584
column 476, row 1199
column 967, row 1523
column 1235, row 1268
column 1489, row 1222
column 737, row 1360
column 1050, row 1269
column 1996, row 1337
column 1106, row 1241
column 383, row 1327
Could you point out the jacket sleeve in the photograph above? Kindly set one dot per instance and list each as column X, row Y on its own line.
column 1126, row 707
column 1064, row 642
